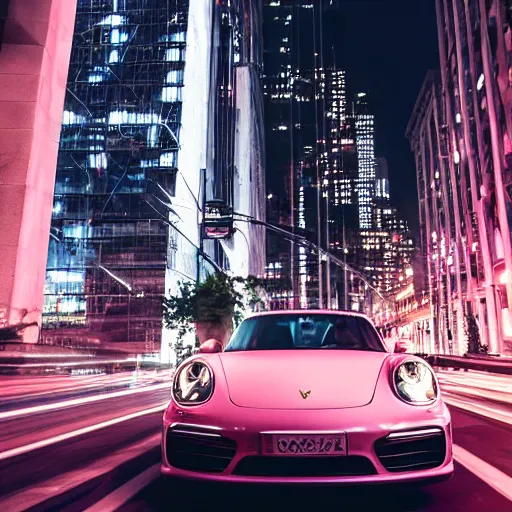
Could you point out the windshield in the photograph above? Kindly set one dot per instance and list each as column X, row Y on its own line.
column 305, row 331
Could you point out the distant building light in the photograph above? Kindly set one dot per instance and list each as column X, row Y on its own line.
column 114, row 56
column 480, row 83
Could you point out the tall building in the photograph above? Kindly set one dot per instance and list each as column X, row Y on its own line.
column 321, row 167
column 382, row 192
column 149, row 133
column 460, row 133
column 365, row 141
column 291, row 89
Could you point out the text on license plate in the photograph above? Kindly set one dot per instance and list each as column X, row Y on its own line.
column 309, row 445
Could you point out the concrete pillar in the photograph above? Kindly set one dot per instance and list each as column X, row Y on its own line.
column 34, row 59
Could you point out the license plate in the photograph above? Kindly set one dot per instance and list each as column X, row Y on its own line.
column 300, row 445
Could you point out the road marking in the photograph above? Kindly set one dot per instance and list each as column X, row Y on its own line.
column 480, row 409
column 75, row 433
column 120, row 496
column 493, row 477
column 78, row 401
column 65, row 482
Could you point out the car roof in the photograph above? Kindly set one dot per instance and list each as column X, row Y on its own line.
column 309, row 312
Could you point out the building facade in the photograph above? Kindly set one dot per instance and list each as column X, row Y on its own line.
column 460, row 133
column 35, row 44
column 292, row 89
column 150, row 132
column 365, row 142
column 321, row 170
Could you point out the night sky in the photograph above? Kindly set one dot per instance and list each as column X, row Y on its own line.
column 386, row 48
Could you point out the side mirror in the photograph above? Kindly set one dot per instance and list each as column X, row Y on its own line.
column 400, row 348
column 211, row 346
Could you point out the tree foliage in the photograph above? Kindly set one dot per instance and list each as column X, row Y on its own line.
column 219, row 298
column 472, row 333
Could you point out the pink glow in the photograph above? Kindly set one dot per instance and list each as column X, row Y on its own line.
column 33, row 74
column 350, row 391
column 338, row 379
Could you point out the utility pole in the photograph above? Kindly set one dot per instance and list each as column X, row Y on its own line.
column 202, row 178
column 345, row 282
column 317, row 77
column 326, row 164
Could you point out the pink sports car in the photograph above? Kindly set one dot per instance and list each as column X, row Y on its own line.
column 307, row 397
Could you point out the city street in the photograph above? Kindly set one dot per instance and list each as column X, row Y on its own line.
column 252, row 181
column 104, row 453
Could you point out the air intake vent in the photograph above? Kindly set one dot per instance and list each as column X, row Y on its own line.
column 304, row 466
column 412, row 450
column 197, row 450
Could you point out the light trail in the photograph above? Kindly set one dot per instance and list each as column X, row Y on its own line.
column 79, row 401
column 76, row 384
column 479, row 393
column 66, row 482
column 14, row 452
column 505, row 416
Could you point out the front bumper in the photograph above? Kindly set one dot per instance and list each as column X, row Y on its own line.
column 239, row 431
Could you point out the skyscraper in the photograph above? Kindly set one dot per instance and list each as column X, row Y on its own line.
column 291, row 90
column 365, row 141
column 321, row 147
column 149, row 133
column 119, row 142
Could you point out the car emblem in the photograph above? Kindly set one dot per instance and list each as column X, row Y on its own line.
column 305, row 394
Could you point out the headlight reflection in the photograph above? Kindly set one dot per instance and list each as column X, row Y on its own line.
column 193, row 384
column 415, row 383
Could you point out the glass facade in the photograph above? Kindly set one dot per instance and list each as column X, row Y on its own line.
column 118, row 150
column 365, row 141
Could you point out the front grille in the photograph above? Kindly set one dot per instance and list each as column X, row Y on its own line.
column 199, row 450
column 304, row 466
column 412, row 453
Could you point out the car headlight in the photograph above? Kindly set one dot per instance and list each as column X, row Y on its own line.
column 415, row 383
column 193, row 384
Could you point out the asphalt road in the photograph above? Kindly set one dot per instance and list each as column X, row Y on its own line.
column 485, row 438
column 464, row 492
column 18, row 432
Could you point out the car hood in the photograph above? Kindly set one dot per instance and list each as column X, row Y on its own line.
column 335, row 379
